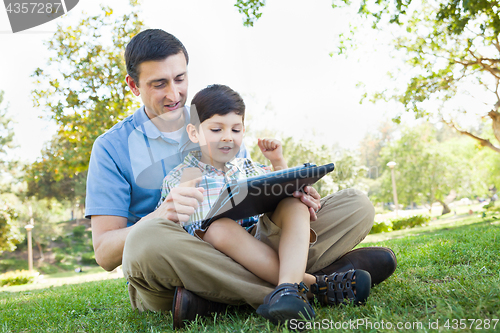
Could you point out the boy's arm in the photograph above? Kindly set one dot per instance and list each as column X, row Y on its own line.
column 273, row 151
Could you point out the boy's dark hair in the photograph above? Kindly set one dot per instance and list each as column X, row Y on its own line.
column 215, row 99
column 151, row 44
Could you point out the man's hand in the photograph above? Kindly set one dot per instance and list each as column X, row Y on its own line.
column 311, row 198
column 180, row 204
column 182, row 201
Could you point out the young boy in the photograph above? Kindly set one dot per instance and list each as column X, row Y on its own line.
column 217, row 125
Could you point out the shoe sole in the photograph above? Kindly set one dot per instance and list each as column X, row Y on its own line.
column 177, row 322
column 263, row 310
column 291, row 308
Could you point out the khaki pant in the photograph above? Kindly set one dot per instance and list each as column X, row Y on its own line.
column 159, row 256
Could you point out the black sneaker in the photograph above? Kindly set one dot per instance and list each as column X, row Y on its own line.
column 287, row 301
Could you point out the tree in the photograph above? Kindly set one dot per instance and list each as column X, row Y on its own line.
column 9, row 234
column 6, row 132
column 46, row 182
column 83, row 90
column 454, row 44
column 426, row 171
column 451, row 47
column 371, row 145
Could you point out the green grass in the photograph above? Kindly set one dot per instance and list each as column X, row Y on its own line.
column 448, row 271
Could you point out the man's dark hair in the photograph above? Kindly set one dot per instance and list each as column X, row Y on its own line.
column 215, row 99
column 151, row 44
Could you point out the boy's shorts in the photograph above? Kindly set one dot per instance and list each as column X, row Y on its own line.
column 269, row 233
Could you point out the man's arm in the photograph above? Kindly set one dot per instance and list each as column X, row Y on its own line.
column 108, row 236
column 109, row 232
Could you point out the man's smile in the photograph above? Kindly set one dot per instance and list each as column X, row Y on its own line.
column 173, row 106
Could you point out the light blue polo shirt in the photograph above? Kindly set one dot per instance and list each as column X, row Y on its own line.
column 128, row 164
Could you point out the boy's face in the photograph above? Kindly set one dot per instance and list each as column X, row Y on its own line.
column 219, row 137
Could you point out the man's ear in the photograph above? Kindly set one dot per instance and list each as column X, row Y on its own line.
column 132, row 85
column 192, row 133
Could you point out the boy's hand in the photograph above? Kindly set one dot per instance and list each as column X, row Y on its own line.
column 271, row 149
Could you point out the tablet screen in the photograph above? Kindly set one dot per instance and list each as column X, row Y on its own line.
column 261, row 194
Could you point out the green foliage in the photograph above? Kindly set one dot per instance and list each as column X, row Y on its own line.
column 83, row 91
column 17, row 278
column 88, row 258
column 489, row 206
column 46, row 217
column 452, row 48
column 79, row 231
column 426, row 170
column 13, row 265
column 371, row 145
column 379, row 227
column 59, row 257
column 410, row 222
column 6, row 132
column 399, row 223
column 250, row 10
column 74, row 249
column 492, row 207
column 9, row 233
column 43, row 184
column 47, row 269
column 449, row 46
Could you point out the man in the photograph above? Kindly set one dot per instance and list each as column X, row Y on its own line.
column 168, row 269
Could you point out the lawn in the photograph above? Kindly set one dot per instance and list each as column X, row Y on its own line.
column 448, row 279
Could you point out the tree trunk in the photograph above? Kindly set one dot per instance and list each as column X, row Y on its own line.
column 446, row 209
column 40, row 250
column 495, row 117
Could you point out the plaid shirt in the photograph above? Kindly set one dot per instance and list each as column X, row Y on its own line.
column 213, row 181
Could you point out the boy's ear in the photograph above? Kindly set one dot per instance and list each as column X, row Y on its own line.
column 192, row 133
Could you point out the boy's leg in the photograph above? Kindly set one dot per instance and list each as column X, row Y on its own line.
column 344, row 220
column 230, row 238
column 293, row 218
column 288, row 300
column 159, row 256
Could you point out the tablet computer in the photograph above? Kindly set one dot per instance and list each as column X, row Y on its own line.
column 261, row 194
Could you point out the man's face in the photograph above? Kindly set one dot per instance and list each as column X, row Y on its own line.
column 220, row 138
column 163, row 87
